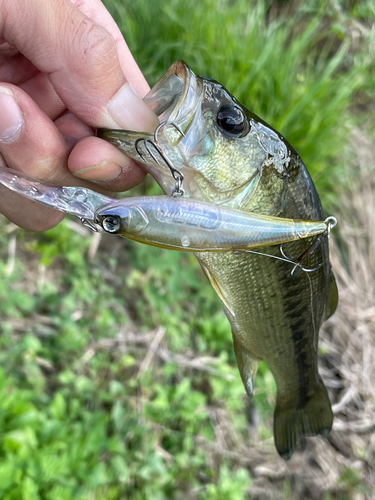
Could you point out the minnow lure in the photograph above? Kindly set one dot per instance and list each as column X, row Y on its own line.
column 175, row 223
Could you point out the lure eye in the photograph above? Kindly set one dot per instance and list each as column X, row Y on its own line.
column 231, row 120
column 111, row 223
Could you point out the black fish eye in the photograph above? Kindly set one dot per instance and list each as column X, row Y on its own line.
column 111, row 223
column 231, row 120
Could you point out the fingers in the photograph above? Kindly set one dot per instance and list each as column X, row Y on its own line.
column 94, row 159
column 96, row 11
column 14, row 67
column 73, row 63
column 25, row 213
column 41, row 90
column 31, row 143
column 43, row 150
column 80, row 58
column 72, row 129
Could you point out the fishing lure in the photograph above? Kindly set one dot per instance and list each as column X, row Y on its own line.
column 175, row 223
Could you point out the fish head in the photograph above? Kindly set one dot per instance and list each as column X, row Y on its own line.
column 216, row 155
column 223, row 150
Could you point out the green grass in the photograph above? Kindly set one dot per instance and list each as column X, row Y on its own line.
column 78, row 419
column 69, row 426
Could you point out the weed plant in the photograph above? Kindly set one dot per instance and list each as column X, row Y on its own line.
column 118, row 378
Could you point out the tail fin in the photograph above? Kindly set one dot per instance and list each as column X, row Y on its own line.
column 292, row 423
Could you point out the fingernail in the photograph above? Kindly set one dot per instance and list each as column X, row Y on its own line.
column 101, row 172
column 130, row 112
column 10, row 116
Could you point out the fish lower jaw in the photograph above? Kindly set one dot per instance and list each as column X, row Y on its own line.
column 239, row 197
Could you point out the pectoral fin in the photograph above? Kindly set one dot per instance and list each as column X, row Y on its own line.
column 216, row 285
column 247, row 366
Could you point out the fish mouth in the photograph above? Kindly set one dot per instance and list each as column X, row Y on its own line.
column 175, row 97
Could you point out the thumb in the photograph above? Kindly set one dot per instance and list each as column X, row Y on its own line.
column 80, row 58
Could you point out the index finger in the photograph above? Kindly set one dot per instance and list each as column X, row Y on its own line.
column 80, row 58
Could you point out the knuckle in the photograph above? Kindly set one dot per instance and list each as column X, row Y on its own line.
column 95, row 43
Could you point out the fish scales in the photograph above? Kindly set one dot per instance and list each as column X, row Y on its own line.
column 270, row 320
column 230, row 156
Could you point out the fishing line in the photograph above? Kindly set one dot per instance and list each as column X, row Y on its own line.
column 331, row 223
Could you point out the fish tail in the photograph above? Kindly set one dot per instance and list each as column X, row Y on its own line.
column 294, row 422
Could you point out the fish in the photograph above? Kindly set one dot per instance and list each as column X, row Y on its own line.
column 223, row 153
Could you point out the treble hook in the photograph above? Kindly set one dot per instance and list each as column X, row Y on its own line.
column 177, row 175
column 331, row 223
column 162, row 124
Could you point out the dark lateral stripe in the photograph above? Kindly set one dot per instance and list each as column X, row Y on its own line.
column 295, row 312
column 301, row 359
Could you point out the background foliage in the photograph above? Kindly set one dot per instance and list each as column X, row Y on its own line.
column 118, row 378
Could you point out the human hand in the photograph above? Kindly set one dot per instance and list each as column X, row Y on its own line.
column 64, row 70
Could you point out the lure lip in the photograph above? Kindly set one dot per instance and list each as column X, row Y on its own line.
column 78, row 201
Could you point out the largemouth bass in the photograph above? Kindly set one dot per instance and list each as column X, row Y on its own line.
column 231, row 157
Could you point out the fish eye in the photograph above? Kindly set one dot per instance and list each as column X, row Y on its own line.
column 231, row 120
column 111, row 223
